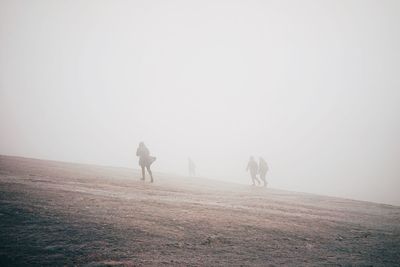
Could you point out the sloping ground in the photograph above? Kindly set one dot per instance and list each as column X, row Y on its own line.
column 54, row 213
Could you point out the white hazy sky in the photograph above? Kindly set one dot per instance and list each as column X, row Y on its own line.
column 313, row 86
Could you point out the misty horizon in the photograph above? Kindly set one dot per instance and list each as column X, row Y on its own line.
column 314, row 89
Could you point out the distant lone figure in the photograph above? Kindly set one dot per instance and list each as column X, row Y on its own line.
column 145, row 160
column 262, row 170
column 191, row 167
column 253, row 168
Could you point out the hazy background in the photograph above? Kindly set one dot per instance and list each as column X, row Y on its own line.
column 313, row 86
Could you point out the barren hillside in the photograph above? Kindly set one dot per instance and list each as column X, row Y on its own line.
column 54, row 213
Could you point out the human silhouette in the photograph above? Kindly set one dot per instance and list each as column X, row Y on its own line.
column 253, row 168
column 191, row 167
column 145, row 160
column 262, row 170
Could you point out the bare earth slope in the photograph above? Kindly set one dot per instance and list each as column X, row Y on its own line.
column 54, row 213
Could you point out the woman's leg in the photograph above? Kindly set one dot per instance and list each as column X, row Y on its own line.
column 253, row 178
column 262, row 176
column 143, row 173
column 256, row 178
column 149, row 171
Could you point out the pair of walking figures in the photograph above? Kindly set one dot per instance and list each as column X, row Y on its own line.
column 261, row 168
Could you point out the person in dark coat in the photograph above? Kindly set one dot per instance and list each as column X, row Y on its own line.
column 262, row 170
column 145, row 160
column 253, row 168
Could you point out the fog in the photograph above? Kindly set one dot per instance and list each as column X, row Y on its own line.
column 312, row 86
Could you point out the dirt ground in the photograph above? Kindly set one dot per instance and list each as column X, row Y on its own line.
column 56, row 214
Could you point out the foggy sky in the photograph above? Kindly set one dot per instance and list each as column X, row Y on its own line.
column 312, row 86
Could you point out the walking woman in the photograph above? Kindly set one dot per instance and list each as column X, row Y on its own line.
column 145, row 160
